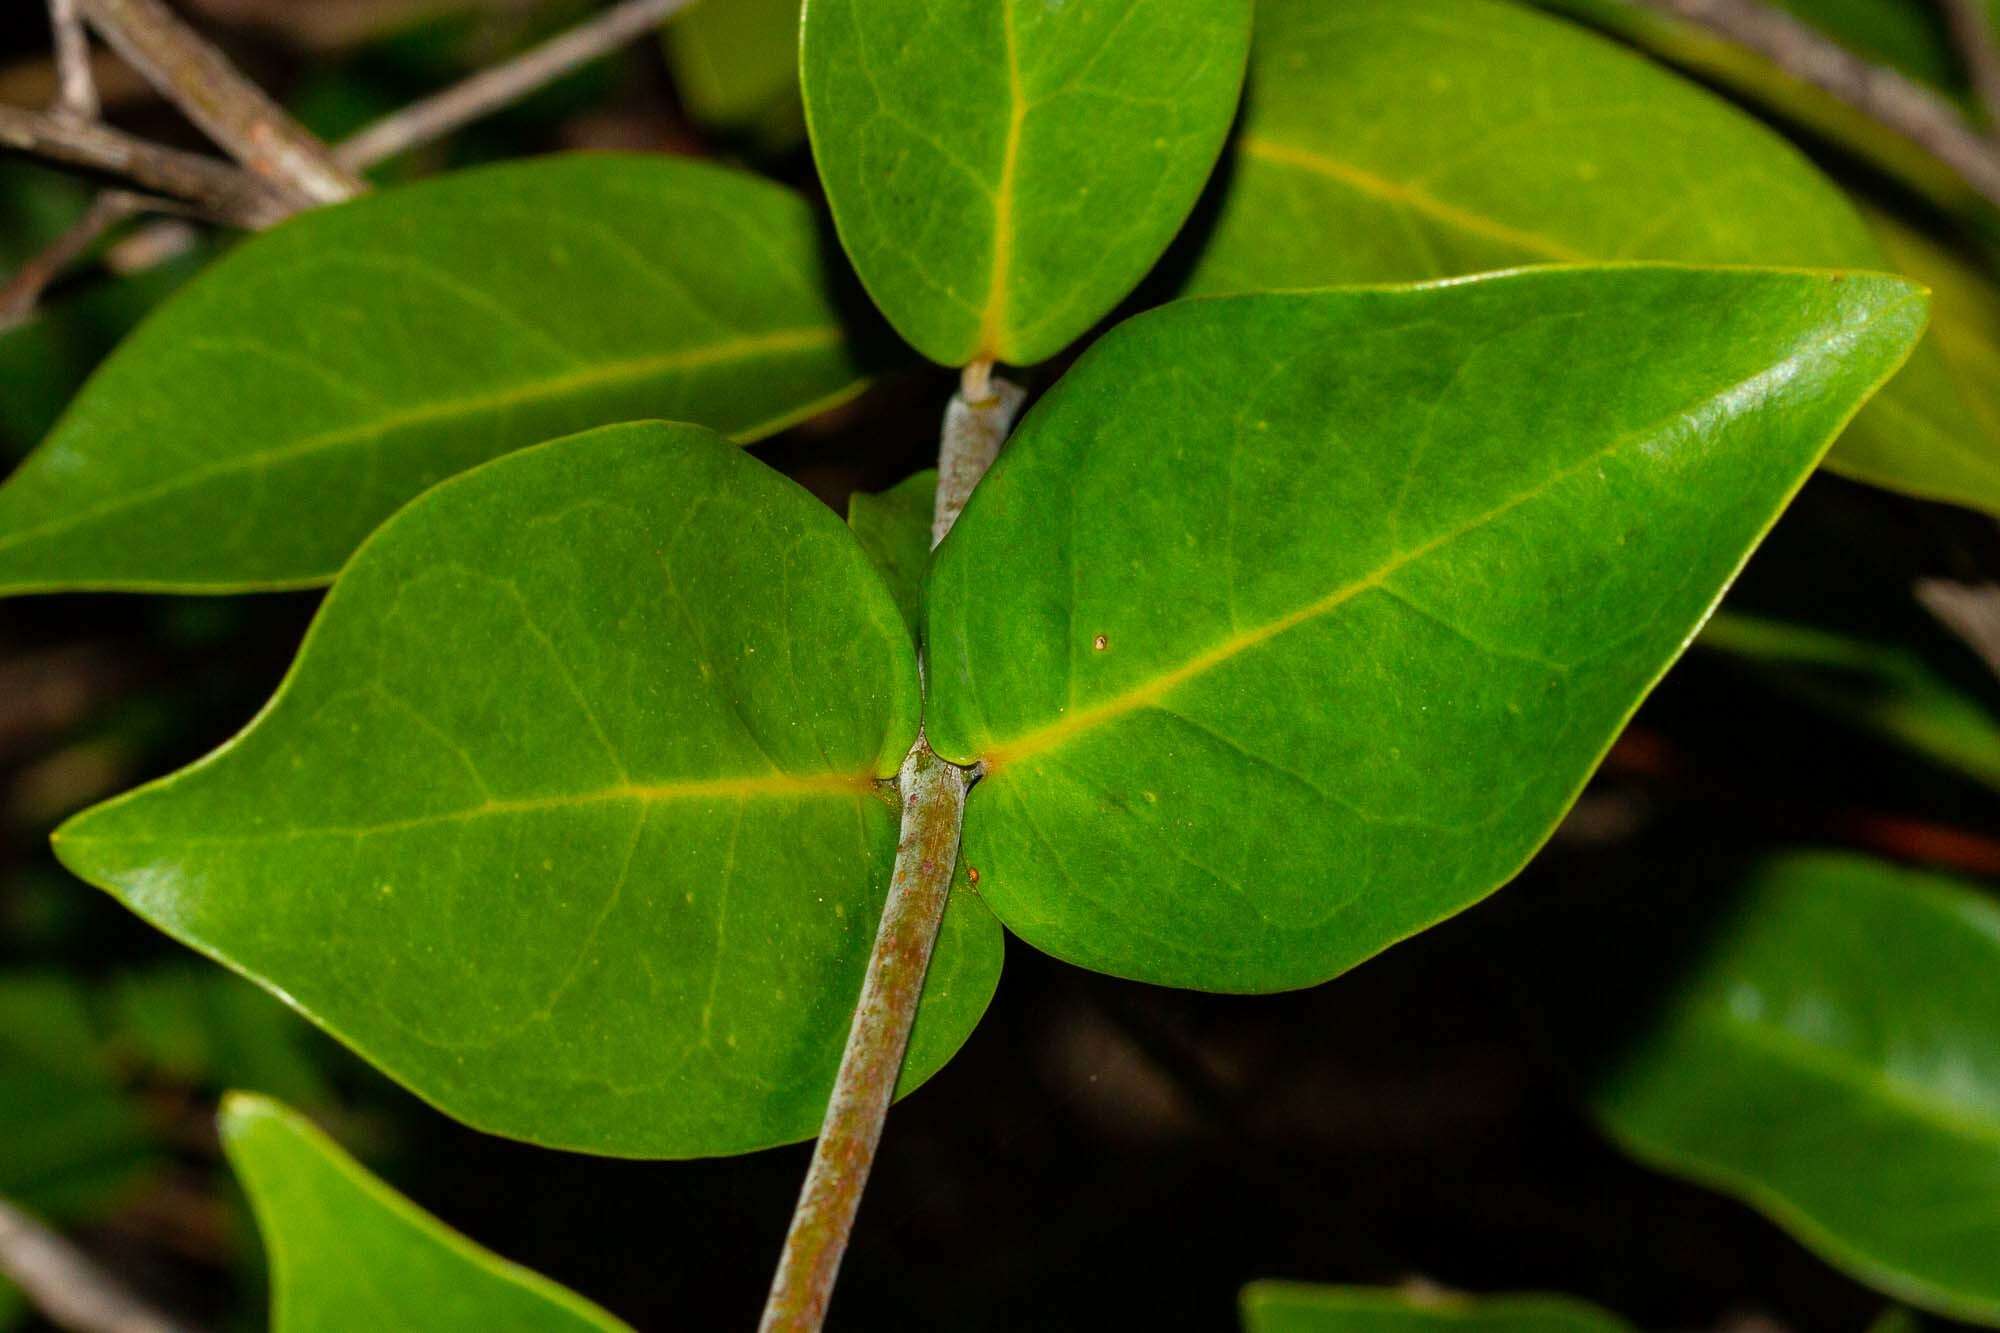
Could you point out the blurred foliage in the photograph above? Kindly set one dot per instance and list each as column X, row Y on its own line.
column 1885, row 687
column 1415, row 1118
column 70, row 1140
column 736, row 65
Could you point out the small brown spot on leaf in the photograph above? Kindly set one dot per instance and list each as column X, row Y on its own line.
column 1100, row 643
column 972, row 875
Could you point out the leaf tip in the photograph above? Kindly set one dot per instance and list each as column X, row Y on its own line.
column 240, row 1113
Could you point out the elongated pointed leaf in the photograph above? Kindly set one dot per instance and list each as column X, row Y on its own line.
column 255, row 430
column 1003, row 172
column 1289, row 625
column 895, row 529
column 1382, row 141
column 1835, row 1061
column 349, row 1253
column 567, row 816
column 1298, row 1307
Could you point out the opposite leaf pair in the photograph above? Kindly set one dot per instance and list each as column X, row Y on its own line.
column 1286, row 626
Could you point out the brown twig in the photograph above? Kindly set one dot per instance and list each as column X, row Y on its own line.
column 150, row 246
column 1899, row 103
column 230, row 109
column 66, row 1285
column 420, row 123
column 933, row 793
column 210, row 184
column 1971, row 24
column 503, row 84
column 933, row 799
column 975, row 427
column 76, row 90
column 24, row 289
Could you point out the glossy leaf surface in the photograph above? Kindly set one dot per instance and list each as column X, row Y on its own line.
column 1003, row 173
column 1382, row 141
column 256, row 429
column 348, row 1253
column 567, row 816
column 894, row 528
column 1297, row 1307
column 1289, row 625
column 1835, row 1061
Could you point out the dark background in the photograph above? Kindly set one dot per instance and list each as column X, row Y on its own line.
column 1102, row 1153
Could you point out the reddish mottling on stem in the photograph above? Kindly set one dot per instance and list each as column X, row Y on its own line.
column 873, row 1058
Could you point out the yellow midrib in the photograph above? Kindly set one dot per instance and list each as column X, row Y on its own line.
column 604, row 373
column 647, row 793
column 1413, row 197
column 1152, row 691
column 1003, row 199
column 997, row 755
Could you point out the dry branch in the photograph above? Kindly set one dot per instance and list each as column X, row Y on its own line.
column 503, row 84
column 214, row 94
column 1971, row 24
column 66, row 1285
column 212, row 185
column 76, row 90
column 1899, row 103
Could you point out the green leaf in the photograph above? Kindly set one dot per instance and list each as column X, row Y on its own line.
column 70, row 1138
column 894, row 528
column 1385, row 143
column 1946, row 403
column 567, row 816
column 1003, row 174
column 347, row 1252
column 263, row 422
column 1297, row 1307
column 1834, row 1060
column 1908, row 34
column 1886, row 688
column 736, row 65
column 46, row 360
column 1289, row 625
